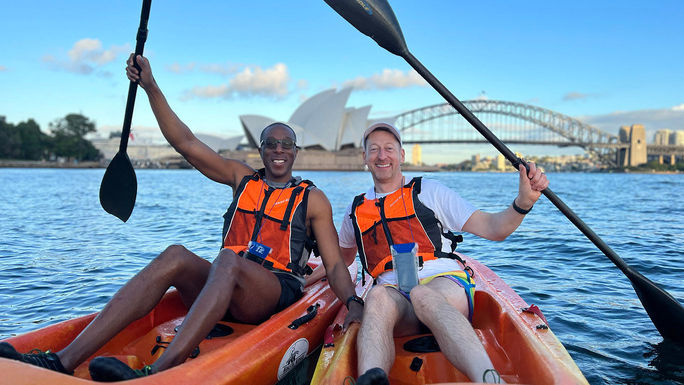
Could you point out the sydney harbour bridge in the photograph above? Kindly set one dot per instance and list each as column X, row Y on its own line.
column 515, row 123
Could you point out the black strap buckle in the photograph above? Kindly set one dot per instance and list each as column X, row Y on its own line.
column 261, row 261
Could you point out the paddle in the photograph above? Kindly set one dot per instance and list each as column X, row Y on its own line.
column 376, row 19
column 119, row 186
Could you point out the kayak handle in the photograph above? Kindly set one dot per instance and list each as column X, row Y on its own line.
column 310, row 314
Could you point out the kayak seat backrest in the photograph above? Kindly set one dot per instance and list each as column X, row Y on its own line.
column 424, row 344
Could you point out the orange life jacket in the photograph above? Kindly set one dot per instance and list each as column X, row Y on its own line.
column 397, row 218
column 275, row 217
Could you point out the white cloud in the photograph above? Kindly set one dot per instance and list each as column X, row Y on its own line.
column 223, row 69
column 255, row 81
column 208, row 92
column 482, row 96
column 180, row 68
column 570, row 96
column 653, row 120
column 251, row 81
column 86, row 56
column 84, row 48
column 387, row 79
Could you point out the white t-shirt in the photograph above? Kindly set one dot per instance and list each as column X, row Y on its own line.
column 451, row 210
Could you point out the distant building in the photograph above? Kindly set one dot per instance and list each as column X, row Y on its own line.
column 677, row 138
column 500, row 162
column 416, row 155
column 662, row 137
column 322, row 122
column 150, row 148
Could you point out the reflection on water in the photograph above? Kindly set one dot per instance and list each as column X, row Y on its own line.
column 62, row 256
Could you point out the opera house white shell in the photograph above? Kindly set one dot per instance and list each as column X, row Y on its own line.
column 322, row 122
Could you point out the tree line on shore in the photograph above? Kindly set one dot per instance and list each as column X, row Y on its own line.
column 66, row 140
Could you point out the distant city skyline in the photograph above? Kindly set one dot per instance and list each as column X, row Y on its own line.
column 607, row 64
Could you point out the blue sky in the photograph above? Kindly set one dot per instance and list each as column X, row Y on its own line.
column 609, row 63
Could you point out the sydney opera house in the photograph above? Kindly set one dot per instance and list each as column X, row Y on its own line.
column 328, row 132
column 322, row 122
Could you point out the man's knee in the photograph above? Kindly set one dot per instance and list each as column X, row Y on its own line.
column 174, row 254
column 379, row 300
column 227, row 260
column 425, row 299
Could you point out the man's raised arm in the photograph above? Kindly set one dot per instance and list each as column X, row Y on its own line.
column 179, row 136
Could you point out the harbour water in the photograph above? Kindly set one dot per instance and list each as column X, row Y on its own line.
column 62, row 256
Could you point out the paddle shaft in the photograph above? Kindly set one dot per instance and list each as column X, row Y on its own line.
column 133, row 86
column 510, row 156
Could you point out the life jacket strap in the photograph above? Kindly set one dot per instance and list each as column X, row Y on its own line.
column 254, row 258
column 260, row 214
column 358, row 200
column 454, row 238
column 441, row 254
column 286, row 218
column 304, row 271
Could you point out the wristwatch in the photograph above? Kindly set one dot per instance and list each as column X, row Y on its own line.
column 354, row 298
column 521, row 210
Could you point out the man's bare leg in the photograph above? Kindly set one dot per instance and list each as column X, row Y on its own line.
column 175, row 266
column 250, row 291
column 442, row 306
column 375, row 342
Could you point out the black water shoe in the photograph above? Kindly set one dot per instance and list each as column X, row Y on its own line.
column 109, row 369
column 35, row 357
column 375, row 376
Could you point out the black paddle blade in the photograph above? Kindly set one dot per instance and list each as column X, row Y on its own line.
column 119, row 187
column 665, row 311
column 373, row 18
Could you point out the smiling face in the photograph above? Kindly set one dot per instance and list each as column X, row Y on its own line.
column 278, row 161
column 383, row 156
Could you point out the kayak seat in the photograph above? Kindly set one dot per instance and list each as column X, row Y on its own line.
column 424, row 344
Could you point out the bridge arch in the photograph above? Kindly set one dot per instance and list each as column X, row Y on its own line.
column 569, row 131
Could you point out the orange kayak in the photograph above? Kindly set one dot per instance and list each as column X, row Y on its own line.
column 520, row 344
column 235, row 354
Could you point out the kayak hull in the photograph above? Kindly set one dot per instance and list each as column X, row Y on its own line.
column 254, row 354
column 521, row 346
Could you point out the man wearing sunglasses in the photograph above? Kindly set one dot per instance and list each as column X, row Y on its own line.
column 268, row 234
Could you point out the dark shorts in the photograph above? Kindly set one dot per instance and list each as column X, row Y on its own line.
column 290, row 290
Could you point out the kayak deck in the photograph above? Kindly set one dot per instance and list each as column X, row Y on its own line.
column 521, row 346
column 254, row 354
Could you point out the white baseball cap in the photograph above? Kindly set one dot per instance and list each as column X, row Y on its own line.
column 384, row 127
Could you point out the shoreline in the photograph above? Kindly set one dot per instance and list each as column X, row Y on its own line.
column 405, row 167
column 4, row 163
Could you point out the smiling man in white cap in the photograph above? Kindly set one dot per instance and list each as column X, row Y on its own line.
column 396, row 217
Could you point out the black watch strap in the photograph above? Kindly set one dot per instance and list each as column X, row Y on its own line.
column 521, row 210
column 355, row 298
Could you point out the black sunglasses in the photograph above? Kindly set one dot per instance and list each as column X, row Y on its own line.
column 272, row 143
